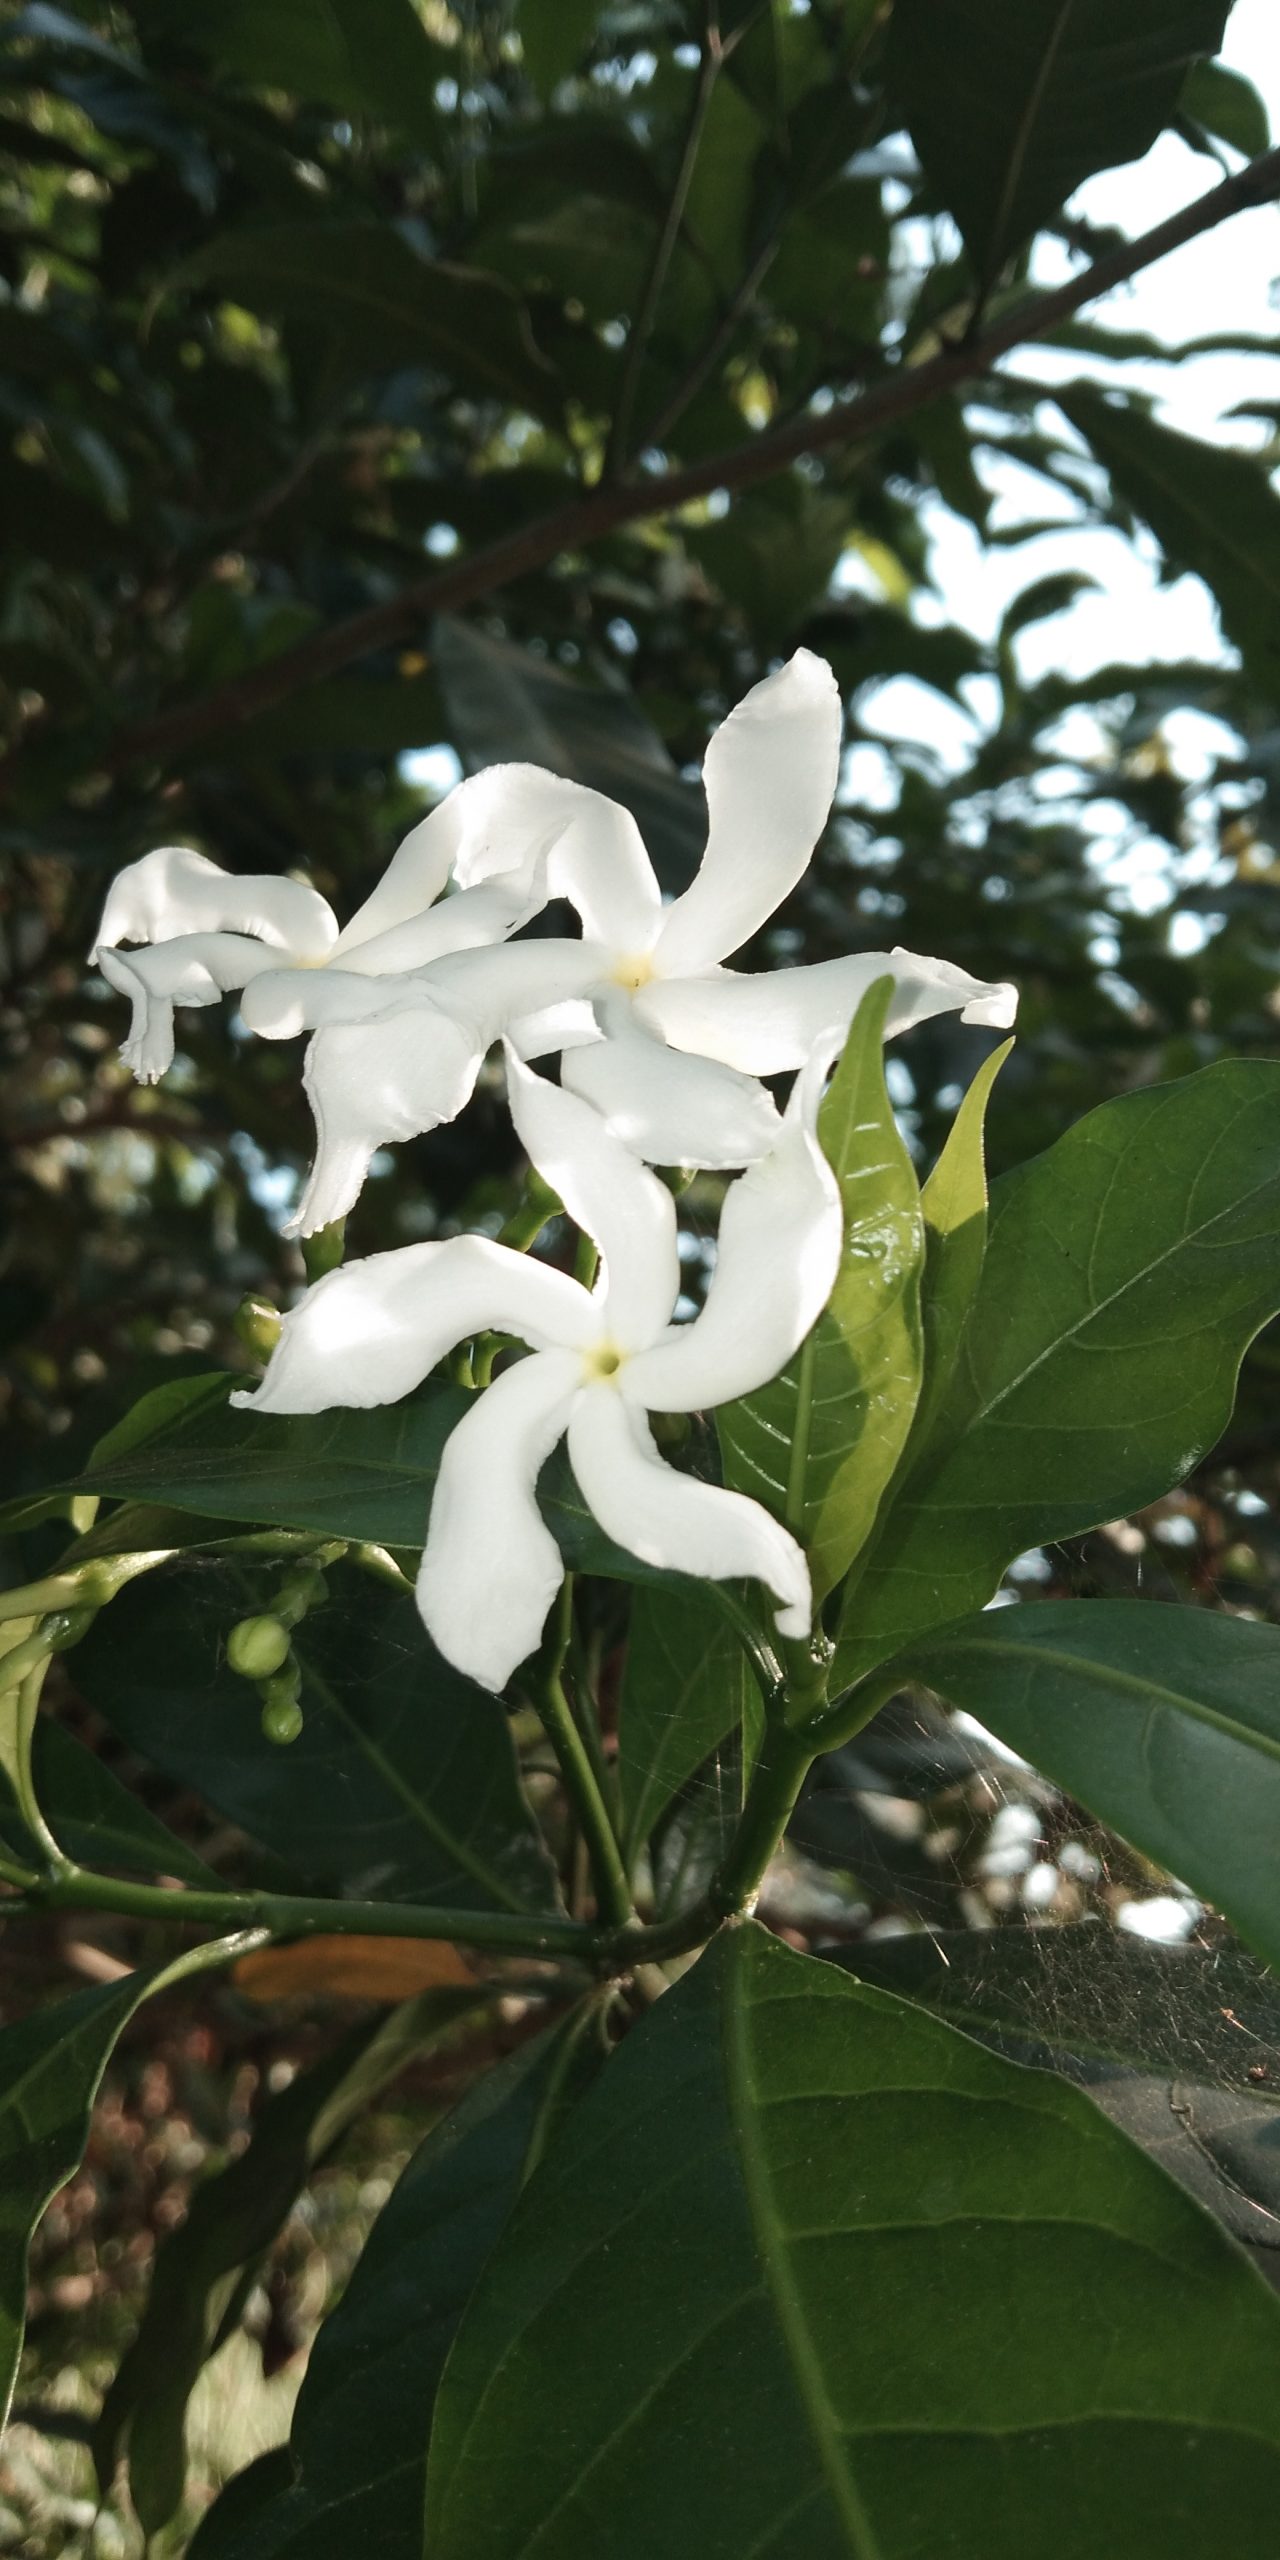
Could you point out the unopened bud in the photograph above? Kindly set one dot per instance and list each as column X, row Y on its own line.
column 256, row 1323
column 66, row 1627
column 257, row 1647
column 281, row 1716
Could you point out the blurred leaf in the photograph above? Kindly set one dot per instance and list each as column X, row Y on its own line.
column 1126, row 1271
column 686, row 1686
column 357, row 2454
column 554, row 35
column 1165, row 1721
column 96, row 1819
column 365, row 54
column 351, row 1968
column 50, row 2067
column 232, row 2219
column 507, row 705
column 402, row 1782
column 820, row 1444
column 1012, row 103
column 775, row 551
column 772, row 2145
column 1227, row 104
column 1211, row 509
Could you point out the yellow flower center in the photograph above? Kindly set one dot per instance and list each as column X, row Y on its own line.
column 632, row 969
column 604, row 1361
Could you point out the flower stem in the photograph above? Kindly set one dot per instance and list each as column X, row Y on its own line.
column 288, row 1915
column 608, row 1871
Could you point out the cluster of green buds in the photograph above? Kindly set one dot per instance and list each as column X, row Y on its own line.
column 261, row 1648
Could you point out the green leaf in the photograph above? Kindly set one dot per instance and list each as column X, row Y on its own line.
column 50, row 2067
column 203, row 2268
column 92, row 1815
column 755, row 2300
column 1126, row 1271
column 819, row 1445
column 954, row 1202
column 366, row 54
column 1228, row 105
column 402, row 1781
column 774, row 553
column 1165, row 1721
column 686, row 1687
column 506, row 704
column 1210, row 508
column 357, row 2454
column 554, row 35
column 378, row 306
column 1012, row 103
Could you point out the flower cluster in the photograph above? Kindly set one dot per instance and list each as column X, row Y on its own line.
column 661, row 1050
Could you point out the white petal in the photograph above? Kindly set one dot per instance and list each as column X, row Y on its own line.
column 673, row 1521
column 371, row 1332
column 770, row 776
column 491, row 1567
column 176, row 891
column 666, row 1106
column 627, row 1212
column 575, row 843
column 509, row 981
column 371, row 1084
column 780, row 1237
column 468, row 922
column 282, row 1002
column 195, row 969
column 495, row 825
column 765, row 1024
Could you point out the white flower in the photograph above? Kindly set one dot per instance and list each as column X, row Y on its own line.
column 655, row 1032
column 602, row 1359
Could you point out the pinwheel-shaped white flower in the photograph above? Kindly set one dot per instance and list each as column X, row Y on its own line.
column 664, row 1040
column 205, row 932
column 602, row 1359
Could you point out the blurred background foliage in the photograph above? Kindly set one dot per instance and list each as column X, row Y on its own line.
column 303, row 303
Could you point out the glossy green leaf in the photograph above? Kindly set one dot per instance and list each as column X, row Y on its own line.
column 50, row 2067
column 1211, row 508
column 954, row 1202
column 785, row 2286
column 819, row 1445
column 1012, row 103
column 402, row 1782
column 378, row 306
column 506, row 704
column 686, row 1687
column 203, row 2269
column 1126, row 1271
column 94, row 1817
column 1165, row 1721
column 353, row 2475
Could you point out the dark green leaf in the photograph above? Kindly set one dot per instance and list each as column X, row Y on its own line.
column 366, row 54
column 50, row 2067
column 773, row 554
column 1126, row 1270
column 507, row 704
column 1211, row 509
column 1165, row 1721
column 378, row 306
column 357, row 2455
column 1228, row 105
column 402, row 1782
column 819, row 1445
column 94, row 1818
column 554, row 35
column 686, row 1687
column 202, row 2268
column 1011, row 103
column 755, row 2299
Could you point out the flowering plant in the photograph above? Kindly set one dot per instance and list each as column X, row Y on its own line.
column 807, row 1484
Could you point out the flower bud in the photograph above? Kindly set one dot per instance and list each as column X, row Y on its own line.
column 257, row 1647
column 66, row 1627
column 256, row 1323
column 281, row 1715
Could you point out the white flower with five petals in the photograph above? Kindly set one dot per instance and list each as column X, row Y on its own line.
column 602, row 1360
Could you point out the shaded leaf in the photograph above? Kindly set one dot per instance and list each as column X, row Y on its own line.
column 687, row 1686
column 369, row 54
column 554, row 35
column 1227, row 104
column 778, row 2336
column 93, row 1816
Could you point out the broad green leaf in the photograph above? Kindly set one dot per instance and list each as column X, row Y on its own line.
column 783, row 2288
column 774, row 553
column 365, row 54
column 402, row 1782
column 506, row 704
column 686, row 1687
column 50, row 2067
column 353, row 2478
column 954, row 1202
column 554, row 35
column 819, row 1445
column 203, row 2269
column 94, row 1817
column 378, row 306
column 1165, row 1721
column 1092, row 1993
column 1126, row 1271
column 1012, row 103
column 1212, row 509
column 1228, row 105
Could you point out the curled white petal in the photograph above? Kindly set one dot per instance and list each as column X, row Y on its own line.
column 764, row 1025
column 491, row 1568
column 469, row 922
column 579, row 846
column 176, row 891
column 926, row 987
column 195, row 969
column 770, row 775
column 370, row 1084
column 371, row 1332
column 781, row 1229
column 627, row 1212
column 676, row 1522
column 667, row 1106
column 494, row 826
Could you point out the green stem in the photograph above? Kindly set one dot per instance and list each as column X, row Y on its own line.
column 608, row 1871
column 17, row 1758
column 288, row 1915
column 838, row 1723
column 530, row 1215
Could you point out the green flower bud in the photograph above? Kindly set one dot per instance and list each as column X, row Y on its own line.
column 281, row 1716
column 66, row 1627
column 256, row 1323
column 257, row 1647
